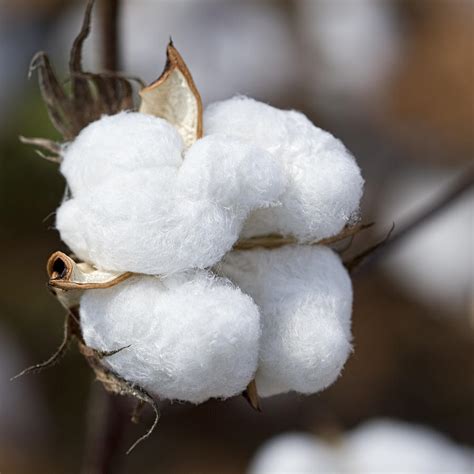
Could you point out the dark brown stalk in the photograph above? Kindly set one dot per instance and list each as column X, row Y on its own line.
column 109, row 15
column 107, row 414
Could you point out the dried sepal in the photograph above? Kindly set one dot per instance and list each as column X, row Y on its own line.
column 91, row 96
column 51, row 146
column 59, row 106
column 275, row 241
column 251, row 395
column 355, row 262
column 174, row 97
column 68, row 279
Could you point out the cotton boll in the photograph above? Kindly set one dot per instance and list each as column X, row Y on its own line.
column 294, row 453
column 192, row 336
column 392, row 447
column 119, row 143
column 162, row 215
column 305, row 298
column 323, row 181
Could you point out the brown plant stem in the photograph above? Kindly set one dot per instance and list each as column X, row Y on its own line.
column 107, row 415
column 106, row 421
column 109, row 19
column 461, row 186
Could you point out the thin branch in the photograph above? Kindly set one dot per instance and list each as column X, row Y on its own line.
column 459, row 188
column 109, row 16
column 107, row 416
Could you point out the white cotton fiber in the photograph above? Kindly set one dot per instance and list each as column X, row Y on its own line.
column 323, row 182
column 119, row 144
column 154, row 212
column 376, row 447
column 393, row 447
column 294, row 453
column 305, row 299
column 192, row 336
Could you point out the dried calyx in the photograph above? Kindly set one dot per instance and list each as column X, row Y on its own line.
column 174, row 97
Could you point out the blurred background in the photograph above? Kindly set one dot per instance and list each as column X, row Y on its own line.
column 393, row 80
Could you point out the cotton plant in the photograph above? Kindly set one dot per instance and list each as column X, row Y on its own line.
column 377, row 446
column 200, row 263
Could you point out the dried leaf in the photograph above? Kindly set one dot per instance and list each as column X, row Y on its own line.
column 81, row 91
column 58, row 104
column 174, row 97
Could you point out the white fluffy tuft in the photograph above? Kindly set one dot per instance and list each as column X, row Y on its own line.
column 119, row 144
column 149, row 211
column 391, row 447
column 324, row 184
column 375, row 447
column 191, row 337
column 305, row 298
column 294, row 453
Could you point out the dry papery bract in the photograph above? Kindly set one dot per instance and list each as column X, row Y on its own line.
column 173, row 97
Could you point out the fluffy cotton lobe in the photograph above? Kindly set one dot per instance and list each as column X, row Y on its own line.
column 305, row 298
column 323, row 182
column 191, row 337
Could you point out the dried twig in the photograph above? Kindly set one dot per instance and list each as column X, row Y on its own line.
column 107, row 416
column 109, row 14
column 461, row 186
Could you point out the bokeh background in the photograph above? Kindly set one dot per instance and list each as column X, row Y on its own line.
column 393, row 80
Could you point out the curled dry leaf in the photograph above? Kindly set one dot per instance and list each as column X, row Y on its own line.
column 174, row 97
column 68, row 279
